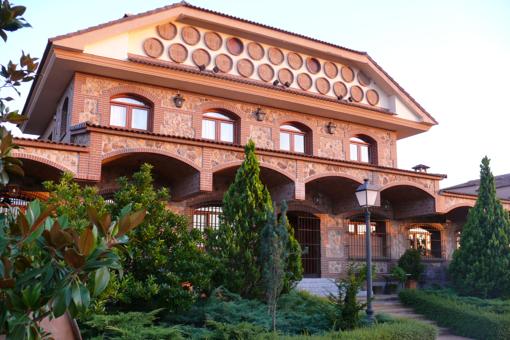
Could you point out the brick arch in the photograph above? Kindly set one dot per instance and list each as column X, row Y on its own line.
column 221, row 105
column 408, row 183
column 154, row 100
column 114, row 154
column 261, row 164
column 304, row 206
column 459, row 205
column 333, row 174
column 45, row 161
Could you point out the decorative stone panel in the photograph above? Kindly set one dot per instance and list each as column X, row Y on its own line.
column 177, row 124
column 221, row 157
column 90, row 113
column 261, row 135
column 334, row 267
column 285, row 165
column 190, row 153
column 66, row 159
column 330, row 148
column 80, row 139
column 334, row 247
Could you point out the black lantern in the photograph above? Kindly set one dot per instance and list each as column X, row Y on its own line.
column 178, row 100
column 259, row 114
column 331, row 128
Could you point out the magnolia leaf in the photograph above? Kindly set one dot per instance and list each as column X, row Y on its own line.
column 74, row 259
column 61, row 301
column 22, row 223
column 76, row 295
column 85, row 296
column 131, row 221
column 101, row 222
column 101, row 278
column 87, row 241
column 42, row 217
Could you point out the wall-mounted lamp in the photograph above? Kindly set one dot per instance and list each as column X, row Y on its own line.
column 259, row 114
column 331, row 128
column 178, row 100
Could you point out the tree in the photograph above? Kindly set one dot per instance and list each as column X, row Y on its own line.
column 236, row 243
column 481, row 266
column 274, row 254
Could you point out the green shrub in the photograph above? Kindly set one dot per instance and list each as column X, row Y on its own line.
column 399, row 274
column 463, row 318
column 410, row 262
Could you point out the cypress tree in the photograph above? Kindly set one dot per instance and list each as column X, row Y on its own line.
column 481, row 266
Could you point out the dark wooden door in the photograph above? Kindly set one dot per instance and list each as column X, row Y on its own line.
column 308, row 233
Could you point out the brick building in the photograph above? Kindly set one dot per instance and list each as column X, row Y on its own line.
column 184, row 88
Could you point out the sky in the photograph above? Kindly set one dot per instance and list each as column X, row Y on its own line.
column 452, row 56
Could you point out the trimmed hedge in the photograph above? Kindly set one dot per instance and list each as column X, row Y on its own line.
column 462, row 318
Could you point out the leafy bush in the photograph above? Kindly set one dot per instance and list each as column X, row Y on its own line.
column 410, row 262
column 399, row 274
column 461, row 315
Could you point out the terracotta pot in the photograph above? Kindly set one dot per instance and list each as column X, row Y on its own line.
column 411, row 284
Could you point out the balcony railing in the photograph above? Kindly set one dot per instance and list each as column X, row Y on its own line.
column 380, row 246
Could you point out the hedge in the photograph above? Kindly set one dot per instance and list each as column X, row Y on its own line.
column 462, row 318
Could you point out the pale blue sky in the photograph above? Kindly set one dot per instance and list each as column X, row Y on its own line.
column 453, row 57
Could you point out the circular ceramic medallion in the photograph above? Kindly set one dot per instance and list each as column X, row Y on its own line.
column 223, row 63
column 285, row 76
column 313, row 65
column 213, row 40
column 304, row 81
column 322, row 85
column 294, row 60
column 266, row 72
column 245, row 67
column 201, row 57
column 356, row 93
column 330, row 69
column 372, row 97
column 167, row 31
column 275, row 55
column 340, row 89
column 363, row 79
column 255, row 51
column 153, row 47
column 347, row 73
column 190, row 35
column 235, row 46
column 177, row 52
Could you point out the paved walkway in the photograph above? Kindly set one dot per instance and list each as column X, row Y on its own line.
column 390, row 304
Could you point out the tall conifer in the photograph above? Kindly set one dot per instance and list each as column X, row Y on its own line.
column 481, row 266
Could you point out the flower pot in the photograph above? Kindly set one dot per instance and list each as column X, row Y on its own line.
column 411, row 284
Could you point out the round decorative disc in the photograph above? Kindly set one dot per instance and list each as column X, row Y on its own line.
column 235, row 46
column 213, row 40
column 266, row 72
column 304, row 81
column 363, row 79
column 275, row 56
column 223, row 62
column 330, row 70
column 347, row 73
column 313, row 65
column 153, row 47
column 340, row 89
column 190, row 35
column 245, row 67
column 255, row 50
column 178, row 52
column 285, row 76
column 322, row 85
column 294, row 60
column 201, row 57
column 356, row 93
column 372, row 97
column 167, row 31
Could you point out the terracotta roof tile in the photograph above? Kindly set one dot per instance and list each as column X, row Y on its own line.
column 44, row 141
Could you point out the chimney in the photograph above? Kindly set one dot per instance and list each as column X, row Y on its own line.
column 420, row 168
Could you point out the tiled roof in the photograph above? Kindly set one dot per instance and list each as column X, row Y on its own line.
column 471, row 187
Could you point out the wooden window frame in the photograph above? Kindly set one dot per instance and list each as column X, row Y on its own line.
column 129, row 111
column 217, row 126
column 293, row 133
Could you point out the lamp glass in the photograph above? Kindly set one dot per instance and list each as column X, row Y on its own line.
column 366, row 197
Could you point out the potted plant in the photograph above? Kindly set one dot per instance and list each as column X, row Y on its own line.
column 410, row 262
column 400, row 275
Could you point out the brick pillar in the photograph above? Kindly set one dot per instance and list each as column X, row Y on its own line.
column 93, row 166
column 206, row 175
column 299, row 184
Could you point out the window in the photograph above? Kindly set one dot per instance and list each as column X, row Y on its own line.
column 129, row 112
column 292, row 139
column 427, row 240
column 64, row 117
column 207, row 217
column 357, row 240
column 362, row 149
column 218, row 126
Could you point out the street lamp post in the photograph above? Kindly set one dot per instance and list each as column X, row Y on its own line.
column 367, row 197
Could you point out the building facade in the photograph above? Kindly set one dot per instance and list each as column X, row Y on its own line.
column 184, row 88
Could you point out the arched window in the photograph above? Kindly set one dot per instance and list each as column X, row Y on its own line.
column 130, row 112
column 219, row 126
column 427, row 240
column 64, row 116
column 363, row 149
column 294, row 138
column 207, row 217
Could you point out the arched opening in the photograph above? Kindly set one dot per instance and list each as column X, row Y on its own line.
column 131, row 112
column 457, row 217
column 207, row 216
column 36, row 173
column 182, row 179
column 380, row 240
column 427, row 240
column 220, row 126
column 307, row 230
column 334, row 194
column 363, row 149
column 64, row 117
column 406, row 201
column 295, row 137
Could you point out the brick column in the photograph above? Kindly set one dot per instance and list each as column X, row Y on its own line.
column 299, row 183
column 206, row 176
